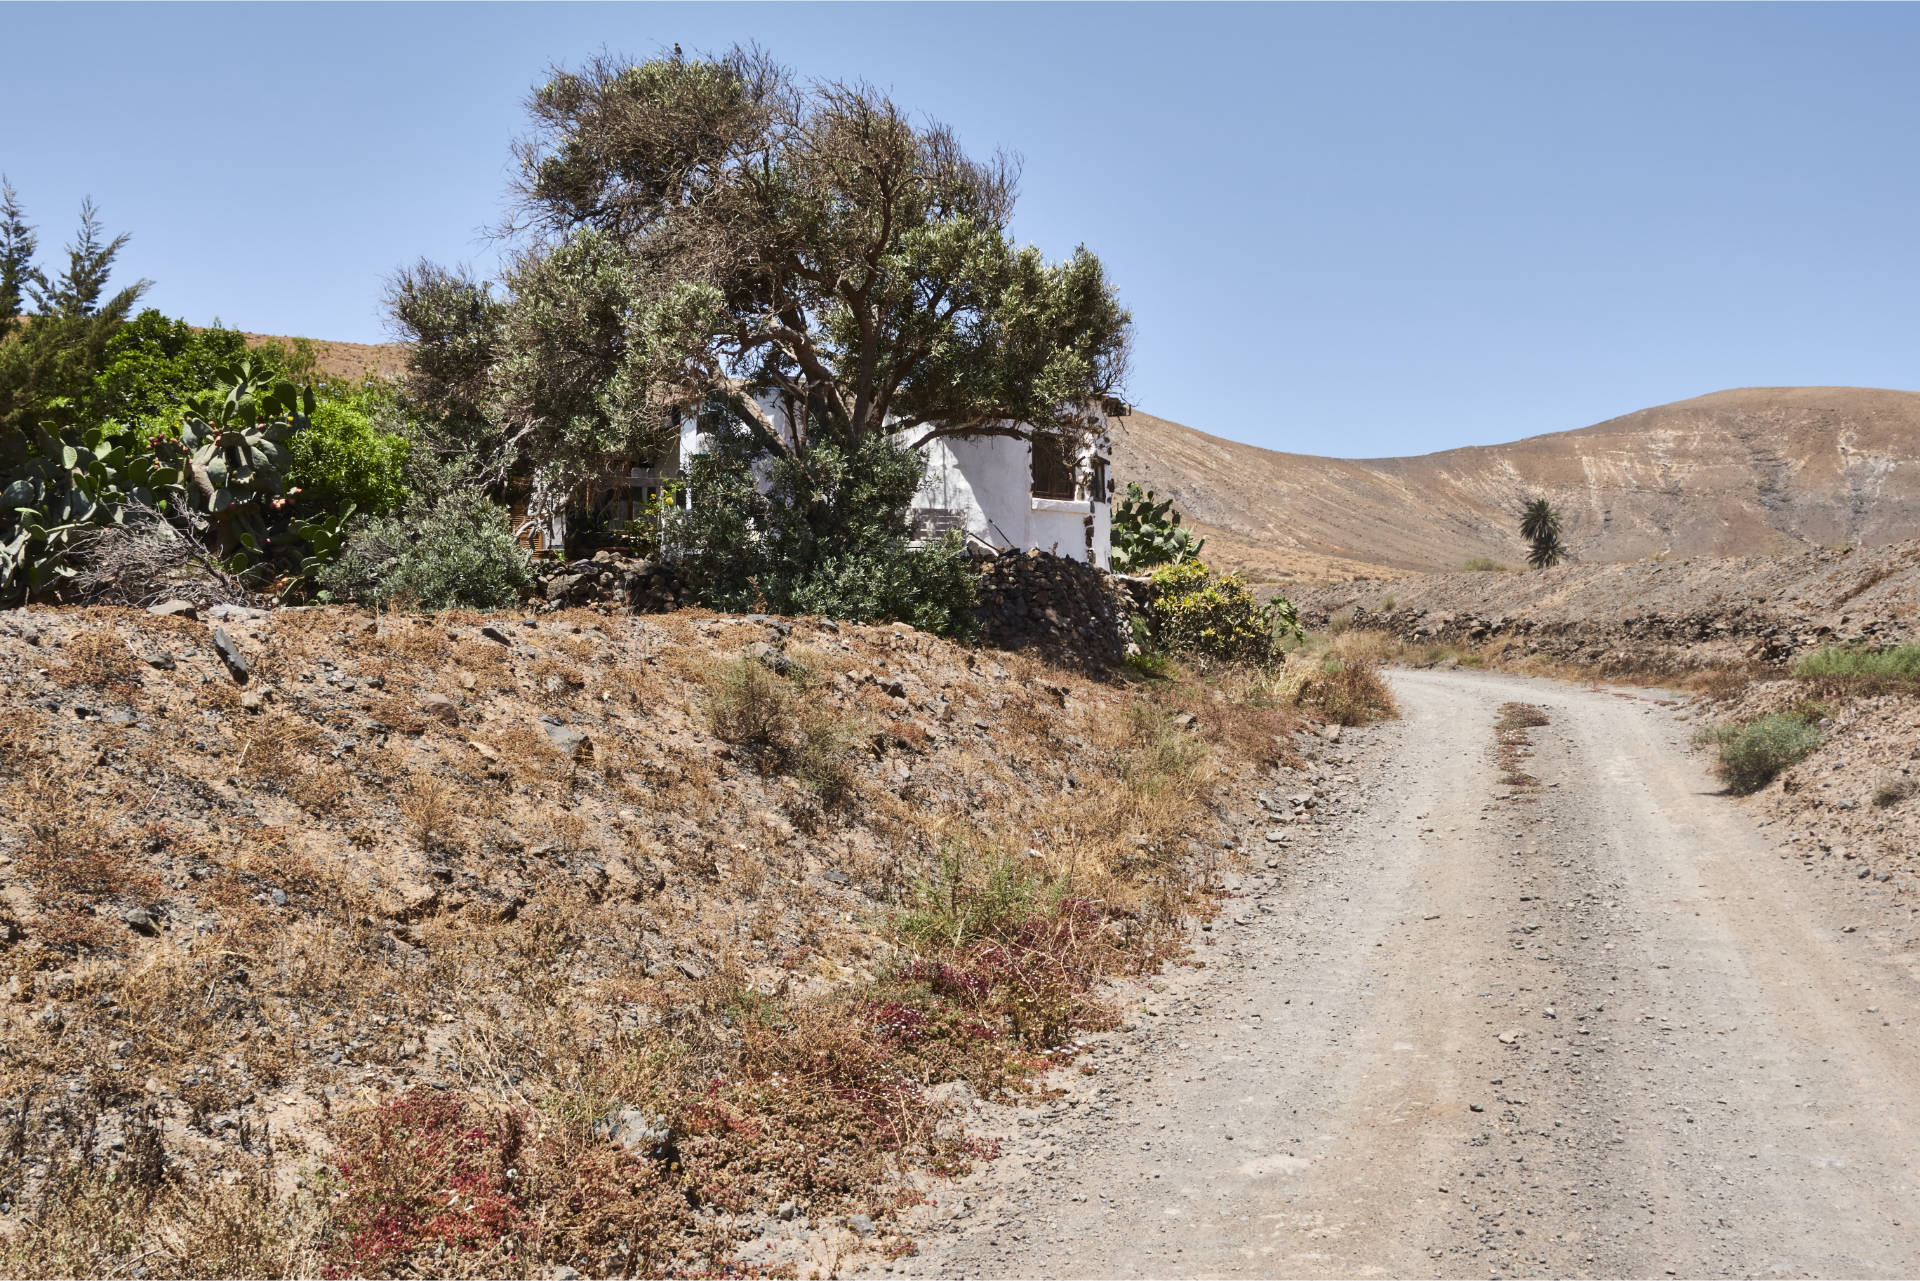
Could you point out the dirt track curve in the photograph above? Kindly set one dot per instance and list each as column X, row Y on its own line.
column 1598, row 1029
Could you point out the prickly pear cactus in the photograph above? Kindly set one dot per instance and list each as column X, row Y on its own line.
column 1148, row 533
column 236, row 456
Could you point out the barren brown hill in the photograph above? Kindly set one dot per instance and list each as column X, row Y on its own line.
column 1753, row 471
column 347, row 359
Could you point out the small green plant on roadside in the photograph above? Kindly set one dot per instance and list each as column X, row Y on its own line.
column 822, row 756
column 971, row 895
column 750, row 706
column 1752, row 753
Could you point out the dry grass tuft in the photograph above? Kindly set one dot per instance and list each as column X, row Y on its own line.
column 1347, row 690
column 100, row 660
column 1513, row 744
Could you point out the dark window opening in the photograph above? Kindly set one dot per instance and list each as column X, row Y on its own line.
column 1053, row 469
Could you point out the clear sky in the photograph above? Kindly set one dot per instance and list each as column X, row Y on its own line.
column 1352, row 230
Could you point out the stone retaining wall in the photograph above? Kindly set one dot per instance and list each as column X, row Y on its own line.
column 1066, row 608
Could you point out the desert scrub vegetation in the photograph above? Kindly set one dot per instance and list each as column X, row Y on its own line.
column 1346, row 690
column 1861, row 670
column 335, row 957
column 1751, row 753
column 1194, row 613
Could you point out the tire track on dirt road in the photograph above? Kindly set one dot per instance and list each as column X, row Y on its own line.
column 1583, row 1028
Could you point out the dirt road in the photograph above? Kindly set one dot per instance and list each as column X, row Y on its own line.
column 1597, row 1028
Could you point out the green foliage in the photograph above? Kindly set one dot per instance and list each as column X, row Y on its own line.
column 971, row 895
column 47, row 366
column 57, row 486
column 1540, row 526
column 234, row 452
column 1146, row 533
column 458, row 554
column 1483, row 565
column 708, row 230
column 156, row 367
column 644, row 531
column 1753, row 752
column 831, row 536
column 325, row 536
column 346, row 456
column 1191, row 610
column 1891, row 665
column 18, row 244
column 750, row 706
column 1150, row 665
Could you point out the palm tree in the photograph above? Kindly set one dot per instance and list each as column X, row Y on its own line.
column 1540, row 526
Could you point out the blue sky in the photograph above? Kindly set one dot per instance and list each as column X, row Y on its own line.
column 1353, row 230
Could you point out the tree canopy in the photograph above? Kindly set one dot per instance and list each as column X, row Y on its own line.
column 712, row 230
column 47, row 365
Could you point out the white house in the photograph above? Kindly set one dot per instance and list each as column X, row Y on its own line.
column 1014, row 494
column 1006, row 493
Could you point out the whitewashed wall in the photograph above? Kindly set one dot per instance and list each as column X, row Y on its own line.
column 983, row 486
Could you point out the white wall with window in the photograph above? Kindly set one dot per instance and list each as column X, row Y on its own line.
column 1009, row 493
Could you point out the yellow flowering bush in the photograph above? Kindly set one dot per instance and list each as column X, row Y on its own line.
column 1191, row 610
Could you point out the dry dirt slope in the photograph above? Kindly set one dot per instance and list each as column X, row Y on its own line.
column 1752, row 471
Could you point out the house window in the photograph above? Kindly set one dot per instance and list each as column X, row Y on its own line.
column 1053, row 469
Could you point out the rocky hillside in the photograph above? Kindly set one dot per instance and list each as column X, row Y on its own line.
column 667, row 944
column 1753, row 471
column 1639, row 615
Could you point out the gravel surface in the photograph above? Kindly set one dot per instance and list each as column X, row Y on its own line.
column 1583, row 1028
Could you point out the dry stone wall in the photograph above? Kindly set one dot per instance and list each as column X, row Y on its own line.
column 1065, row 608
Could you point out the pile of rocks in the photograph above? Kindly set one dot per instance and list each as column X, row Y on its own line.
column 1067, row 608
column 611, row 582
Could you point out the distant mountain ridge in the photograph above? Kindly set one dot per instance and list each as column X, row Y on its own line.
column 1744, row 472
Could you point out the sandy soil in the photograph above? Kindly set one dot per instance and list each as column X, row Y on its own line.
column 1591, row 1028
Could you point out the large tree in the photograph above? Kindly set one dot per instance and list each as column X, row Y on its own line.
column 47, row 366
column 710, row 229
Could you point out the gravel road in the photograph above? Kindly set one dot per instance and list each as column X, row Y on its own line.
column 1591, row 1028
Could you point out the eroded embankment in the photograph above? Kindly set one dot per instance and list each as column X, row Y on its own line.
column 1644, row 616
column 466, row 944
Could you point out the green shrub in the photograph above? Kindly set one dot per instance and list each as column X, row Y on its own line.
column 157, row 366
column 343, row 456
column 751, row 705
column 1150, row 665
column 1191, row 610
column 831, row 536
column 1753, row 752
column 971, row 895
column 459, row 554
column 1483, row 565
column 1891, row 665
